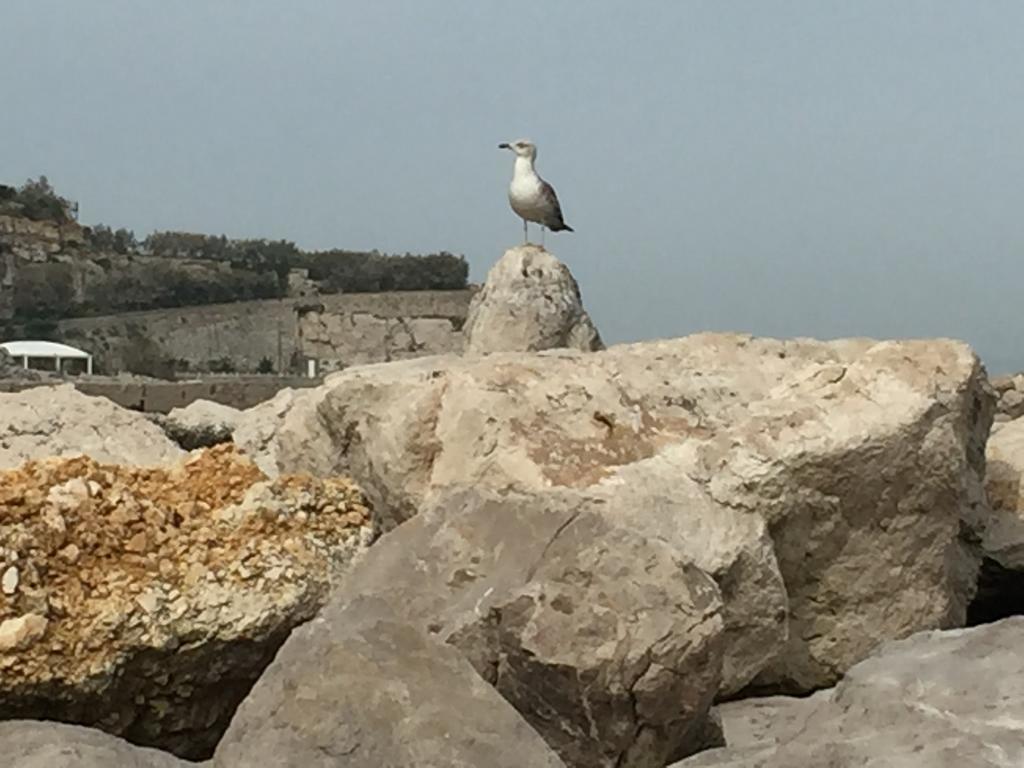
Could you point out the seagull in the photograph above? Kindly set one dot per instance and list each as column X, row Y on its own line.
column 532, row 198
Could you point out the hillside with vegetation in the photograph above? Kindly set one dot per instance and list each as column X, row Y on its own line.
column 64, row 269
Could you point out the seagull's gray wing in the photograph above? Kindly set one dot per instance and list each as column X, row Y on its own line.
column 554, row 221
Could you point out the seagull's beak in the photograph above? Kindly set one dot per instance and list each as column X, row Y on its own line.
column 504, row 145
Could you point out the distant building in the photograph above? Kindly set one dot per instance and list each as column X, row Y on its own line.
column 26, row 351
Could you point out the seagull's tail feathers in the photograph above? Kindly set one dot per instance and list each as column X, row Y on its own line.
column 561, row 226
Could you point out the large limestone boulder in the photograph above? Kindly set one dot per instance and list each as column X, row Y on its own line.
column 30, row 744
column 530, row 302
column 146, row 601
column 60, row 421
column 364, row 688
column 937, row 699
column 607, row 642
column 825, row 485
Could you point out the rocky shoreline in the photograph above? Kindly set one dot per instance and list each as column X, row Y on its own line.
column 717, row 550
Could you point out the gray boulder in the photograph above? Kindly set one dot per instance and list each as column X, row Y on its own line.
column 35, row 744
column 363, row 689
column 200, row 424
column 608, row 643
column 937, row 699
column 530, row 302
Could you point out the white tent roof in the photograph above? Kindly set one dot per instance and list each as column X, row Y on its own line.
column 43, row 349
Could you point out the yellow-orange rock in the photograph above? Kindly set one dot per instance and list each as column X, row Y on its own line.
column 160, row 593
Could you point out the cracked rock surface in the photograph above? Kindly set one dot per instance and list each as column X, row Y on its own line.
column 606, row 642
column 147, row 600
column 827, row 486
column 365, row 688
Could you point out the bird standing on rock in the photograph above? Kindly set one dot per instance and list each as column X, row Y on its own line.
column 532, row 198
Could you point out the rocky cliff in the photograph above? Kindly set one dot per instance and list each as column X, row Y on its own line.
column 162, row 311
column 52, row 270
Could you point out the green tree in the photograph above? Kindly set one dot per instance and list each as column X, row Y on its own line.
column 40, row 202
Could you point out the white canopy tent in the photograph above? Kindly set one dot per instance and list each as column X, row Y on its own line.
column 49, row 350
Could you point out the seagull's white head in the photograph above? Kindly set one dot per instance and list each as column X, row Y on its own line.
column 522, row 148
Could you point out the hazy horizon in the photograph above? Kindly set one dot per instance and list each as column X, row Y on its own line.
column 784, row 168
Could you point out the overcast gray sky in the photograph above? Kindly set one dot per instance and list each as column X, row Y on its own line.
column 801, row 167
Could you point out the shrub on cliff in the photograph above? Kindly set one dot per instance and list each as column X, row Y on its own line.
column 144, row 357
column 103, row 238
column 256, row 254
column 43, row 290
column 36, row 200
column 355, row 272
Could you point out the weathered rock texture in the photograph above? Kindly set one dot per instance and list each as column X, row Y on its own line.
column 761, row 721
column 31, row 744
column 937, row 699
column 146, row 601
column 530, row 302
column 366, row 689
column 201, row 424
column 60, row 421
column 31, row 240
column 608, row 643
column 1010, row 394
column 825, row 484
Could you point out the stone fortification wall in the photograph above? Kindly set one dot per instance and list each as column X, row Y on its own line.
column 356, row 328
column 242, row 332
column 336, row 331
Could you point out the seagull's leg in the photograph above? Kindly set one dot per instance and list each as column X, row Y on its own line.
column 543, row 230
column 526, row 233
